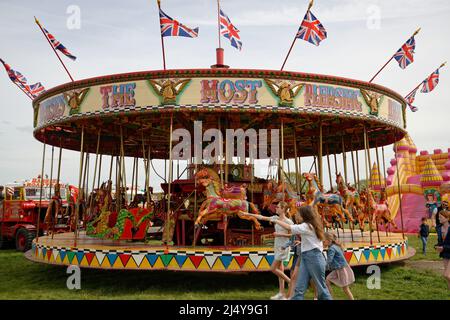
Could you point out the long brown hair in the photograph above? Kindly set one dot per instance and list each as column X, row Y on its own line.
column 308, row 216
column 333, row 239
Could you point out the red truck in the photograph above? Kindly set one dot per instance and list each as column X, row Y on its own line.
column 19, row 211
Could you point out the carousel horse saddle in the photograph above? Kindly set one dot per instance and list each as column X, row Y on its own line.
column 234, row 192
column 329, row 199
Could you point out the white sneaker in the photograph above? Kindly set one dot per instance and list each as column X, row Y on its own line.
column 278, row 296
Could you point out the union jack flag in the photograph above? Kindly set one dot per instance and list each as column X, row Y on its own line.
column 15, row 76
column 36, row 89
column 311, row 29
column 58, row 45
column 173, row 28
column 405, row 55
column 229, row 31
column 431, row 82
column 410, row 100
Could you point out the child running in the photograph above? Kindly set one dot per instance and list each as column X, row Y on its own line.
column 281, row 247
column 341, row 274
column 313, row 262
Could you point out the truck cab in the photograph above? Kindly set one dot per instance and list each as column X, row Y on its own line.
column 22, row 206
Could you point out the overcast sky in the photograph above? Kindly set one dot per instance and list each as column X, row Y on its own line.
column 123, row 36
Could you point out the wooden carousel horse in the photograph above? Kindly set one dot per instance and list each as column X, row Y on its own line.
column 216, row 205
column 330, row 204
column 381, row 213
column 362, row 214
column 100, row 223
column 273, row 192
column 352, row 200
column 53, row 210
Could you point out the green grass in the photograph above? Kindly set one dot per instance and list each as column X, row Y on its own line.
column 416, row 243
column 22, row 279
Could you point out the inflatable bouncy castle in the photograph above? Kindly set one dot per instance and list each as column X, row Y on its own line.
column 423, row 179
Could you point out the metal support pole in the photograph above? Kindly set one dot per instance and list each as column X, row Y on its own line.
column 319, row 163
column 368, row 182
column 77, row 209
column 397, row 169
column 40, row 193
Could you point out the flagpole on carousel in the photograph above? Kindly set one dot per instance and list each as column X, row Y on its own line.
column 40, row 27
column 295, row 38
column 392, row 57
column 218, row 22
column 29, row 95
column 417, row 87
column 162, row 38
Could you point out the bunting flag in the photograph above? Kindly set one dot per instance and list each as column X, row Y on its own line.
column 36, row 89
column 405, row 55
column 15, row 76
column 410, row 100
column 229, row 31
column 431, row 82
column 58, row 45
column 173, row 28
column 311, row 29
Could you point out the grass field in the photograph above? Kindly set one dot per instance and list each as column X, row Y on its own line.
column 22, row 279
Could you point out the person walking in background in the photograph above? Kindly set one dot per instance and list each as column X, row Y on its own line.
column 341, row 274
column 424, row 231
column 443, row 247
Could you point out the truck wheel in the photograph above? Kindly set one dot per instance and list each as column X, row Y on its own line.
column 24, row 238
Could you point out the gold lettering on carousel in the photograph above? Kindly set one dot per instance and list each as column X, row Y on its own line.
column 332, row 97
column 117, row 96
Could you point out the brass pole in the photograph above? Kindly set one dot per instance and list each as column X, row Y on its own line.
column 86, row 170
column 50, row 188
column 357, row 170
column 122, row 167
column 220, row 155
column 368, row 182
column 329, row 171
column 59, row 164
column 95, row 169
column 110, row 168
column 354, row 172
column 99, row 171
column 344, row 160
column 297, row 181
column 397, row 169
column 132, row 178
column 335, row 164
column 282, row 158
column 40, row 193
column 77, row 209
column 51, row 173
column 320, row 165
column 384, row 168
column 170, row 173
column 370, row 178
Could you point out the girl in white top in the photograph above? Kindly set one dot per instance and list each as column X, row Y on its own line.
column 313, row 263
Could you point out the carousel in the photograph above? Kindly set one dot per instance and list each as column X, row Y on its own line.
column 199, row 224
column 223, row 125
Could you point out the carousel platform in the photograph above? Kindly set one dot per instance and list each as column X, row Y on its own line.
column 109, row 254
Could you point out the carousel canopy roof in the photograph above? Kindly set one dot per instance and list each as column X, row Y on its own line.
column 139, row 107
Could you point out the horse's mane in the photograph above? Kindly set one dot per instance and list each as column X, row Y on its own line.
column 319, row 185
